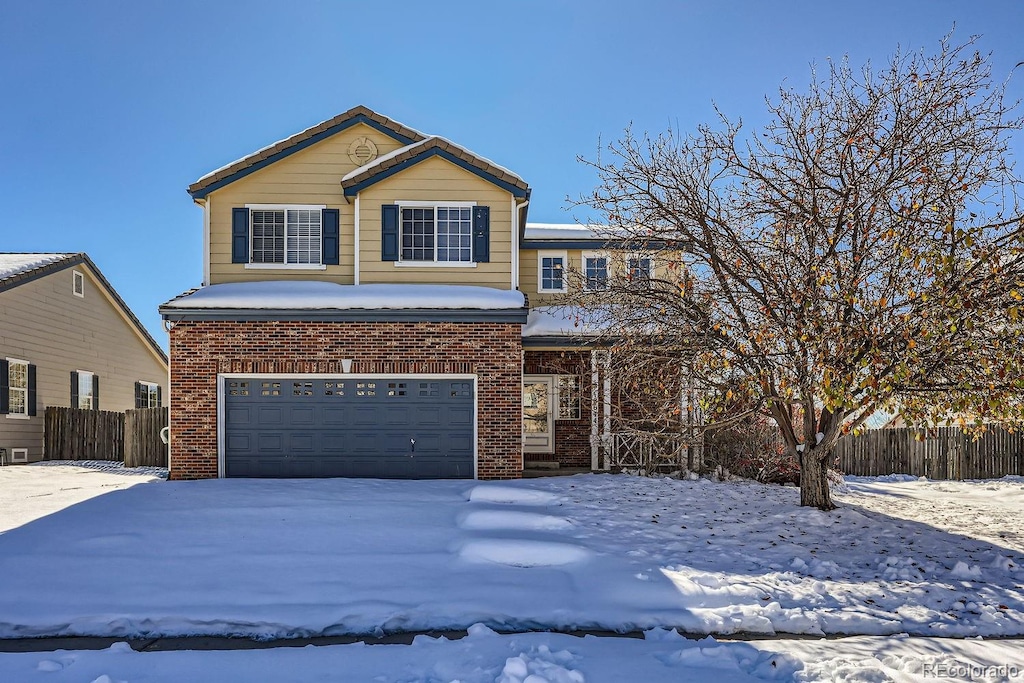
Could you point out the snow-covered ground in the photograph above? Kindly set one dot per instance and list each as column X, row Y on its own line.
column 293, row 558
column 486, row 657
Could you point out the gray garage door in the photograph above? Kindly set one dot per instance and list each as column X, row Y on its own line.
column 342, row 427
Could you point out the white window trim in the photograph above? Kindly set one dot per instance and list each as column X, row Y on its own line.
column 150, row 385
column 285, row 266
column 419, row 204
column 76, row 277
column 15, row 452
column 24, row 415
column 607, row 269
column 541, row 255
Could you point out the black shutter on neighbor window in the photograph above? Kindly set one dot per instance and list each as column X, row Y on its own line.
column 5, row 389
column 482, row 234
column 389, row 232
column 95, row 392
column 74, row 388
column 31, row 390
column 138, row 395
column 159, row 396
column 331, row 244
column 240, row 235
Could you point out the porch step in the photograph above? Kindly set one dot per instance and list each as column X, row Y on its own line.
column 540, row 465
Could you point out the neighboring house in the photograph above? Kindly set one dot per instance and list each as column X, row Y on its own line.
column 365, row 312
column 67, row 339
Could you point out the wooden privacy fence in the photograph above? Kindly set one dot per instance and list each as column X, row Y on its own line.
column 76, row 434
column 142, row 443
column 937, row 453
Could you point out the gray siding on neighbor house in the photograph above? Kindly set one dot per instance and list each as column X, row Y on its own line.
column 44, row 323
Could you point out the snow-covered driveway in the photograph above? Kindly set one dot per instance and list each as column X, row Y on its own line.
column 286, row 558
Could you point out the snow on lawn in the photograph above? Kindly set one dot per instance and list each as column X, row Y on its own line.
column 28, row 493
column 266, row 558
column 486, row 657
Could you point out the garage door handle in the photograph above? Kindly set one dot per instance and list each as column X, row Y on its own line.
column 412, row 442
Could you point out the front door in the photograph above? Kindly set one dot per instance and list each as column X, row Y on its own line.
column 538, row 414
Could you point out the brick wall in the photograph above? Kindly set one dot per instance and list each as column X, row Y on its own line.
column 572, row 437
column 201, row 350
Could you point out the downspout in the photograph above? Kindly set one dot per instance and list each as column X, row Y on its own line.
column 516, row 208
column 355, row 244
column 207, row 205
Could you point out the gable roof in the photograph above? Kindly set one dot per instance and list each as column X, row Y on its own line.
column 400, row 159
column 283, row 148
column 20, row 268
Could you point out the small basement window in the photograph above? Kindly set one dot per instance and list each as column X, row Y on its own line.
column 19, row 455
column 77, row 284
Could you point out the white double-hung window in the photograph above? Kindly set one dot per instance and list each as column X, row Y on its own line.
column 285, row 234
column 17, row 382
column 551, row 271
column 439, row 233
column 595, row 271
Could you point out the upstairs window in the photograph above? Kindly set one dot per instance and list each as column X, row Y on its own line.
column 437, row 233
column 551, row 271
column 639, row 269
column 77, row 284
column 270, row 236
column 595, row 272
column 286, row 236
column 428, row 233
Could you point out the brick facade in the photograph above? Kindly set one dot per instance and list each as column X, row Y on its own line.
column 572, row 437
column 202, row 349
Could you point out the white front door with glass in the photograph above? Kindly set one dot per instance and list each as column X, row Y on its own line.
column 538, row 414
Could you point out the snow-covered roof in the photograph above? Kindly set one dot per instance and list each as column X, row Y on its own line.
column 565, row 231
column 561, row 321
column 16, row 264
column 293, row 140
column 380, row 167
column 306, row 295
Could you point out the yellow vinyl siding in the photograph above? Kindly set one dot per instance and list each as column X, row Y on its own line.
column 529, row 275
column 310, row 176
column 436, row 180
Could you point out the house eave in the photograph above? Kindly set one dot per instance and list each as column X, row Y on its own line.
column 512, row 316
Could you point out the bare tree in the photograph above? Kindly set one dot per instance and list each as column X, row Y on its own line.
column 861, row 252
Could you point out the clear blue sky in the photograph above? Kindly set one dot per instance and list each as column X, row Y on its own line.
column 109, row 109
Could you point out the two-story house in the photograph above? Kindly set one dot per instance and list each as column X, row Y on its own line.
column 67, row 339
column 365, row 312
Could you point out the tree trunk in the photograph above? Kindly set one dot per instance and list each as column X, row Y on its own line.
column 814, row 491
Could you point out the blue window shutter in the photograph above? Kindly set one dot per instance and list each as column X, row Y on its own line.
column 74, row 388
column 482, row 234
column 240, row 235
column 138, row 395
column 31, row 390
column 95, row 392
column 389, row 232
column 5, row 389
column 331, row 238
column 159, row 396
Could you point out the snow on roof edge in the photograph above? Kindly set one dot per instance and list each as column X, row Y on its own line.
column 11, row 265
column 310, row 295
